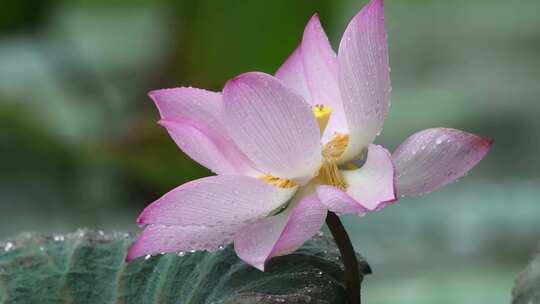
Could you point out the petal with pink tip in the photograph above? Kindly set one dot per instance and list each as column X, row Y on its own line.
column 280, row 234
column 338, row 201
column 156, row 239
column 292, row 74
column 216, row 201
column 199, row 105
column 193, row 117
column 432, row 158
column 373, row 185
column 321, row 71
column 364, row 76
column 272, row 125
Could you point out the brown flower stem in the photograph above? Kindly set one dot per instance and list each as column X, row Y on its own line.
column 352, row 274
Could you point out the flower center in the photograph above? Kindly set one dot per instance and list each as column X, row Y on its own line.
column 322, row 114
column 329, row 173
column 333, row 149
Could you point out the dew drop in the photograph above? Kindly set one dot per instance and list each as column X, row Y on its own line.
column 147, row 257
column 181, row 254
column 58, row 238
column 8, row 246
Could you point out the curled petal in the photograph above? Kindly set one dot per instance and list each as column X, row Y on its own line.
column 216, row 201
column 373, row 185
column 364, row 76
column 280, row 234
column 435, row 157
column 272, row 125
column 193, row 119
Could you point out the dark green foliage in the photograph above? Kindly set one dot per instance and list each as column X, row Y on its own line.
column 89, row 267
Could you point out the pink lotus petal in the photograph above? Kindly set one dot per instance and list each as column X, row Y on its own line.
column 216, row 201
column 364, row 77
column 204, row 135
column 280, row 234
column 292, row 74
column 373, row 185
column 338, row 201
column 432, row 158
column 207, row 147
column 272, row 125
column 199, row 105
column 321, row 71
column 156, row 239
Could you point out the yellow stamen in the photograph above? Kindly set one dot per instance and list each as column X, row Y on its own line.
column 322, row 114
column 277, row 181
column 336, row 146
column 329, row 174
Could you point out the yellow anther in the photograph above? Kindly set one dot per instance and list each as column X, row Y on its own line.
column 277, row 181
column 322, row 114
column 336, row 146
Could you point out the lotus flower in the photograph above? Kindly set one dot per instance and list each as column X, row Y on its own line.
column 288, row 148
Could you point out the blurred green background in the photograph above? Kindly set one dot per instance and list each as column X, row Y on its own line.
column 80, row 146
